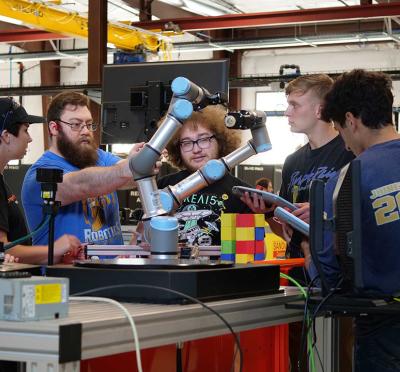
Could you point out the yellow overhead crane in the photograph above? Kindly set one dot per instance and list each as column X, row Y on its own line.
column 50, row 17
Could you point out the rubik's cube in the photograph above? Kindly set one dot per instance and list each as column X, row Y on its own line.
column 242, row 237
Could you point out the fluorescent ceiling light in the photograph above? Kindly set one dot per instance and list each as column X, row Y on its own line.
column 284, row 42
column 118, row 10
column 197, row 7
column 11, row 20
column 174, row 2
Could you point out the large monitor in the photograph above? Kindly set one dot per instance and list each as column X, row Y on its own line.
column 136, row 95
column 346, row 225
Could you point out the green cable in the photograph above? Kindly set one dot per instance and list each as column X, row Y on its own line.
column 295, row 282
column 309, row 336
column 26, row 237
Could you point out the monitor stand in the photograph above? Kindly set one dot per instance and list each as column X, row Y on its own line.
column 349, row 305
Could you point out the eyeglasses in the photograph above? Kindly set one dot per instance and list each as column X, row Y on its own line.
column 77, row 127
column 203, row 143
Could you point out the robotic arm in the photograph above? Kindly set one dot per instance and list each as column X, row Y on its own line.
column 172, row 196
column 143, row 163
column 186, row 97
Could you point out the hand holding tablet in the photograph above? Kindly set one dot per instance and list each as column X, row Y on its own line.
column 292, row 220
column 269, row 197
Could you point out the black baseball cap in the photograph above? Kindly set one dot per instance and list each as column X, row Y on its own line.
column 11, row 113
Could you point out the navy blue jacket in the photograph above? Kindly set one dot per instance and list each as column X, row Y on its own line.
column 380, row 194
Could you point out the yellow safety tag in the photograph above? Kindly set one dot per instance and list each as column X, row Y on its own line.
column 48, row 293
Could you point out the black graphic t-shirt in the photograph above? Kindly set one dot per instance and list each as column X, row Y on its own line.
column 305, row 165
column 199, row 214
column 11, row 218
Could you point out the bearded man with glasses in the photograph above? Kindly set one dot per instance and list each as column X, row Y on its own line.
column 89, row 203
column 203, row 137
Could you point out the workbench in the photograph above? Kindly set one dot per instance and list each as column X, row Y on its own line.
column 95, row 329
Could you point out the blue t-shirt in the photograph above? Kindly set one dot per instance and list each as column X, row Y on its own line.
column 380, row 194
column 93, row 220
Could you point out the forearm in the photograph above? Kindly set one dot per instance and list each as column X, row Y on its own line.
column 129, row 185
column 307, row 261
column 305, row 248
column 92, row 182
column 275, row 226
column 36, row 254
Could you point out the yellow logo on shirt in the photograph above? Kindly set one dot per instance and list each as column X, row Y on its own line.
column 295, row 194
column 386, row 203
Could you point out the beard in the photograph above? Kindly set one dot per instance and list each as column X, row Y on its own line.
column 81, row 156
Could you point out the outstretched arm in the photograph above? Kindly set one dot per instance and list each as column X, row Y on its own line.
column 95, row 181
column 38, row 254
column 92, row 182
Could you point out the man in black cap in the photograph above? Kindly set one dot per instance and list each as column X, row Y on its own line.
column 12, row 115
column 14, row 140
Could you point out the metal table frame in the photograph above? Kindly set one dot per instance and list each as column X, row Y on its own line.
column 95, row 329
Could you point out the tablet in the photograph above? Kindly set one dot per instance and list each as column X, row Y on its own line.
column 292, row 220
column 269, row 197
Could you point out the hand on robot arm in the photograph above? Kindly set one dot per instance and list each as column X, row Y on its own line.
column 136, row 149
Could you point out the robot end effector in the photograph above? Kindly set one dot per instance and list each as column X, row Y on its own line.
column 253, row 120
column 260, row 142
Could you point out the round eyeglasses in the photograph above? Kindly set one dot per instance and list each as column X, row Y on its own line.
column 77, row 127
column 203, row 143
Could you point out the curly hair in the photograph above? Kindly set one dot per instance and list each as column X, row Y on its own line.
column 212, row 118
column 367, row 95
column 320, row 84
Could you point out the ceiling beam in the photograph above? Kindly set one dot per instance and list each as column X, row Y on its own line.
column 21, row 35
column 48, row 89
column 302, row 16
column 238, row 34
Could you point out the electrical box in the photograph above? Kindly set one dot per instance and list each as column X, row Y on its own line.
column 33, row 298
